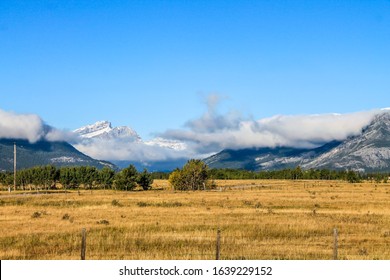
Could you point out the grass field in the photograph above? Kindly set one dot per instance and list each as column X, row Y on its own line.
column 259, row 219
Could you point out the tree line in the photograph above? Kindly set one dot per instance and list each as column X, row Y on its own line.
column 288, row 174
column 300, row 174
column 284, row 174
column 184, row 178
column 74, row 177
column 195, row 175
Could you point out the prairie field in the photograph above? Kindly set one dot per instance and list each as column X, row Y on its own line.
column 257, row 219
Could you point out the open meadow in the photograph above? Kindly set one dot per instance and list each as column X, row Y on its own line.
column 258, row 219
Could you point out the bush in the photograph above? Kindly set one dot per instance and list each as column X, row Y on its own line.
column 193, row 176
column 36, row 215
column 66, row 217
column 115, row 203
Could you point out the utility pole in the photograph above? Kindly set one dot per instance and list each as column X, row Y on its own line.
column 14, row 166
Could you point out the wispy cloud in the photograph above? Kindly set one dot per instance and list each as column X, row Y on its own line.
column 211, row 121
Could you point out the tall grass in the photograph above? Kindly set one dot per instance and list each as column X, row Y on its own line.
column 258, row 220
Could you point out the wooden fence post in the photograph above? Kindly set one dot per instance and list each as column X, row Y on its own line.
column 218, row 247
column 336, row 244
column 83, row 243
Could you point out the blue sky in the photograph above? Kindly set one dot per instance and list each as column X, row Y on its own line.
column 152, row 64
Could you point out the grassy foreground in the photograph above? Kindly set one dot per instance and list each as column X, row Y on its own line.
column 259, row 219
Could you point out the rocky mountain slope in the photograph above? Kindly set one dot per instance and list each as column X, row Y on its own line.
column 44, row 153
column 266, row 158
column 369, row 151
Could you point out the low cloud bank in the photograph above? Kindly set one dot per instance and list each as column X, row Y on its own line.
column 304, row 131
column 214, row 132
column 127, row 149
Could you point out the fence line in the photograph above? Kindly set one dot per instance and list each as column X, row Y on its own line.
column 219, row 243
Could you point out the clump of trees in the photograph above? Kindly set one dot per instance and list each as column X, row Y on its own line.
column 193, row 176
column 74, row 177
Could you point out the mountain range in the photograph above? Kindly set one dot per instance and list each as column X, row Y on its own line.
column 367, row 152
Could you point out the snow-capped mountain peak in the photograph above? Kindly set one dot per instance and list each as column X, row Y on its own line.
column 104, row 130
column 94, row 130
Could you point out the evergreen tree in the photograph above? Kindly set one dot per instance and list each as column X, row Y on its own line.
column 126, row 179
column 65, row 177
column 106, row 177
column 145, row 180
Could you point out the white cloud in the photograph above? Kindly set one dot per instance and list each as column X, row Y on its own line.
column 311, row 130
column 54, row 134
column 31, row 127
column 211, row 120
column 304, row 131
column 21, row 126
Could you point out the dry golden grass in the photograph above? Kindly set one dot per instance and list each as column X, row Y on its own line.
column 266, row 219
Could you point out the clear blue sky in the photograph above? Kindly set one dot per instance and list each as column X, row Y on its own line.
column 151, row 64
